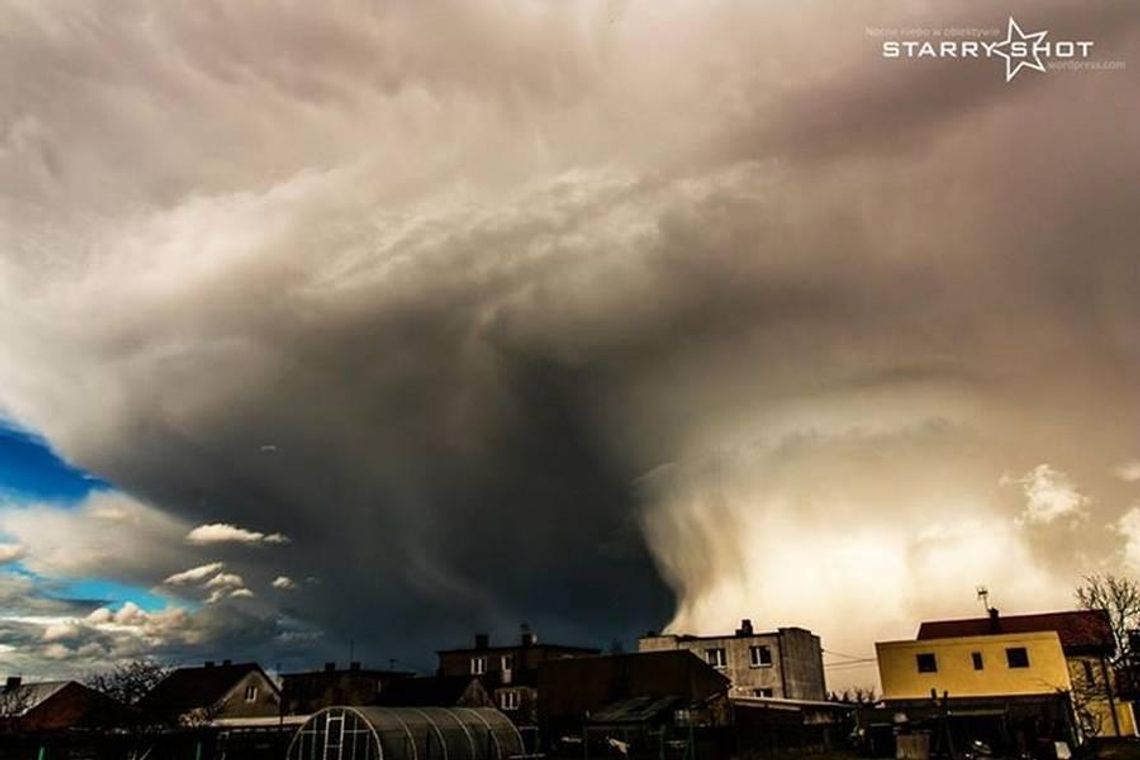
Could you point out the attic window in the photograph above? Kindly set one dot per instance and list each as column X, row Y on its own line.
column 926, row 662
column 979, row 664
column 478, row 666
column 250, row 693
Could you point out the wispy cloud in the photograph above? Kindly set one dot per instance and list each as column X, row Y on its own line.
column 223, row 533
column 284, row 583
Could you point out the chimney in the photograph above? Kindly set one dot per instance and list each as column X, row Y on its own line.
column 209, row 663
column 13, row 682
column 482, row 641
column 330, row 667
column 354, row 666
column 227, row 663
column 745, row 628
column 527, row 636
column 995, row 622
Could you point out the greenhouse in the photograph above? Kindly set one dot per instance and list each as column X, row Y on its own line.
column 406, row 733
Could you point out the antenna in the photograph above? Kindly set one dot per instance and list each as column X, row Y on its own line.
column 984, row 597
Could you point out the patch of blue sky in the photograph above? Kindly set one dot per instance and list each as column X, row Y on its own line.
column 110, row 594
column 31, row 471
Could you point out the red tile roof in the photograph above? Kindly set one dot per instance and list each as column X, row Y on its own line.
column 1079, row 630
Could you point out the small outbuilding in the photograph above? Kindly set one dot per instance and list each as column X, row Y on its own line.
column 406, row 733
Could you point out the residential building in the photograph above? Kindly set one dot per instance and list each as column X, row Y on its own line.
column 509, row 672
column 629, row 697
column 57, row 706
column 783, row 664
column 307, row 692
column 998, row 665
column 1087, row 645
column 204, row 694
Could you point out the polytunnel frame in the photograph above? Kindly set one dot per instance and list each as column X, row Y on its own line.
column 363, row 717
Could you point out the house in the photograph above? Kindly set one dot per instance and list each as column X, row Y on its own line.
column 50, row 706
column 436, row 691
column 784, row 664
column 508, row 672
column 1087, row 646
column 204, row 694
column 635, row 699
column 307, row 692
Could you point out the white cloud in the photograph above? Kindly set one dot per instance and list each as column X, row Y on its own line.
column 284, row 583
column 1129, row 471
column 226, row 580
column 241, row 592
column 108, row 534
column 220, row 533
column 195, row 574
column 12, row 552
column 1050, row 495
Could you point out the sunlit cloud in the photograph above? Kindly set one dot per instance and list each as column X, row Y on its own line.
column 222, row 533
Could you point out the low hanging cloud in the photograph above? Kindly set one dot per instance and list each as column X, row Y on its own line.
column 222, row 533
column 669, row 311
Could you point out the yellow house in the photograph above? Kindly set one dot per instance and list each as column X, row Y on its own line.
column 1036, row 655
column 1021, row 664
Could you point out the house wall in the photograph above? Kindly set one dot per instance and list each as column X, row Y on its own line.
column 796, row 670
column 1048, row 672
column 265, row 704
column 1094, row 693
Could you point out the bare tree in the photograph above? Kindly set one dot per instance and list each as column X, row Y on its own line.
column 1117, row 595
column 130, row 681
column 1090, row 706
column 14, row 702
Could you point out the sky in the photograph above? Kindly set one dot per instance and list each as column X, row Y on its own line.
column 369, row 326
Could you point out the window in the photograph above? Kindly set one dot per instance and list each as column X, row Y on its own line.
column 926, row 662
column 250, row 693
column 716, row 658
column 1017, row 657
column 509, row 700
column 478, row 666
column 507, row 662
column 979, row 664
column 760, row 656
column 765, row 693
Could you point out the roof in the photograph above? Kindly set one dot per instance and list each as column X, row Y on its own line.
column 637, row 709
column 440, row 691
column 1087, row 630
column 26, row 697
column 192, row 688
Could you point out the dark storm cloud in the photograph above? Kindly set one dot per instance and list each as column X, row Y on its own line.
column 542, row 317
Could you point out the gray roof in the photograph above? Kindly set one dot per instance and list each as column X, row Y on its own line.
column 26, row 697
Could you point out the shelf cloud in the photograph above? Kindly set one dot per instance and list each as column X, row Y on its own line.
column 694, row 311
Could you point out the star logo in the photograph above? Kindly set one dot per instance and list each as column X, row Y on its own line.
column 1020, row 50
